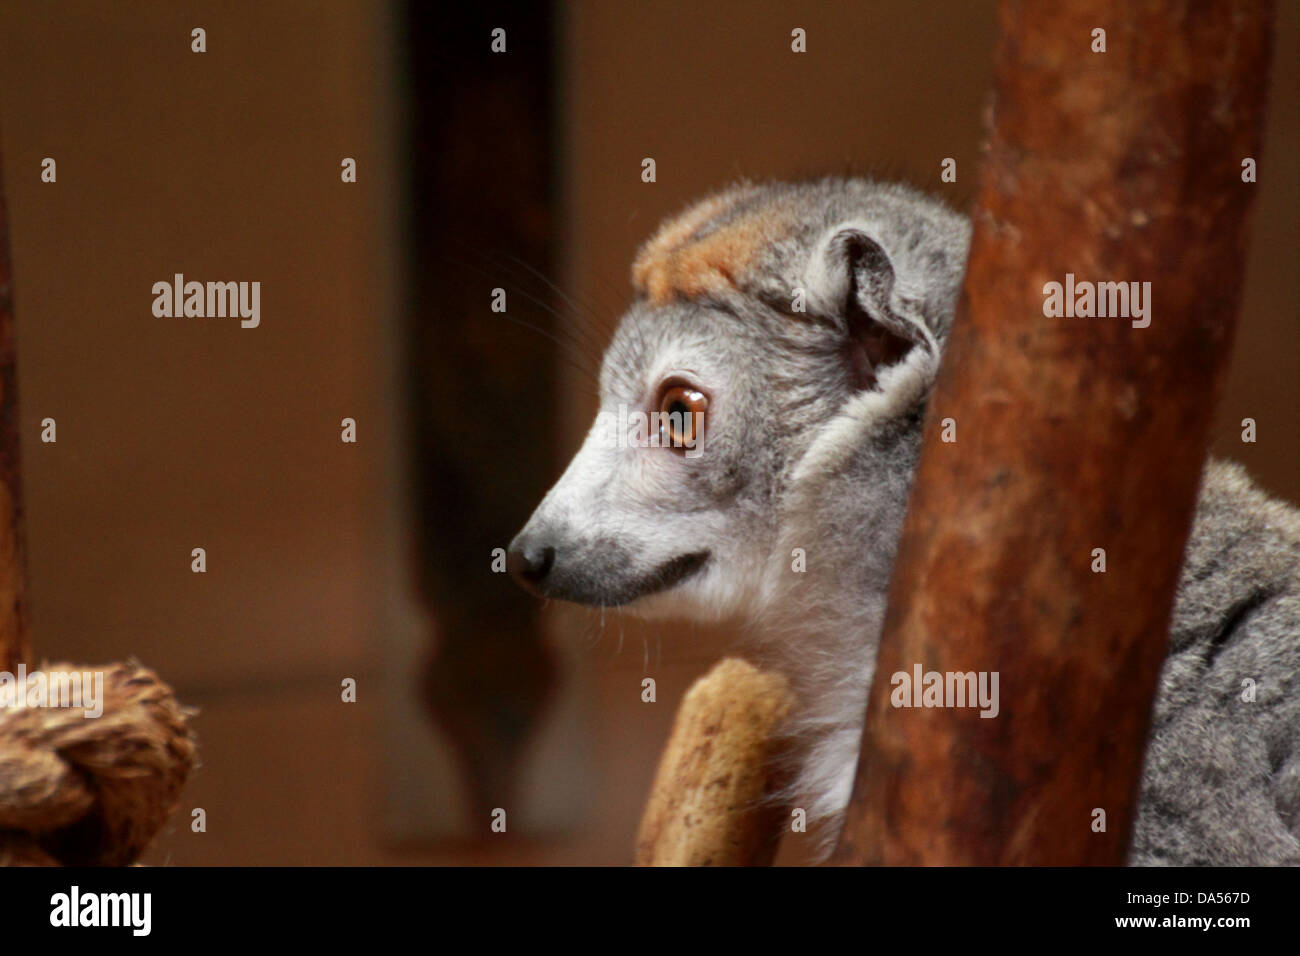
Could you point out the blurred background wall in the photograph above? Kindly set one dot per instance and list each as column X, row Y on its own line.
column 183, row 433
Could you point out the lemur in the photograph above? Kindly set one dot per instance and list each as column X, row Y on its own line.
column 799, row 328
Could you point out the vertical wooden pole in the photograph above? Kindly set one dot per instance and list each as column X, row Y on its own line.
column 1071, row 434
column 13, row 567
column 482, row 382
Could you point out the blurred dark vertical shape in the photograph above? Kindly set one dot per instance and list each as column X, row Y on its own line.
column 13, row 569
column 481, row 382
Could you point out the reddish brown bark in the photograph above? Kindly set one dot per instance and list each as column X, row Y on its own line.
column 13, row 567
column 1072, row 434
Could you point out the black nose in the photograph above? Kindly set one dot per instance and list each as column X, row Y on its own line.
column 530, row 562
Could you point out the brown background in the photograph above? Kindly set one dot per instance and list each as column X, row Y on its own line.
column 183, row 433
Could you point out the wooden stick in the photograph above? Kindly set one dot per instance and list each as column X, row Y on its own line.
column 13, row 566
column 1071, row 434
column 707, row 806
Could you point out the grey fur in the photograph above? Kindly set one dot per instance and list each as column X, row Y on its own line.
column 797, row 457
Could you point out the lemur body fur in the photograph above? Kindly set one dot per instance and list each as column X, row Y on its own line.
column 812, row 434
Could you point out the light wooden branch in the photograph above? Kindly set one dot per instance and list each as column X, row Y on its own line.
column 710, row 805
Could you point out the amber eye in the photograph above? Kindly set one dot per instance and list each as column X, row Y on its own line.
column 681, row 416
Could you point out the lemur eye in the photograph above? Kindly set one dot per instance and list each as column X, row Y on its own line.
column 681, row 415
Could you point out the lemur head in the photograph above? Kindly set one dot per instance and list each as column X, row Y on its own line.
column 772, row 324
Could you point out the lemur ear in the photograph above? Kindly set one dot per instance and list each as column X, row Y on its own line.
column 853, row 279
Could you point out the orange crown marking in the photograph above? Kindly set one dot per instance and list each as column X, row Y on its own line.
column 675, row 264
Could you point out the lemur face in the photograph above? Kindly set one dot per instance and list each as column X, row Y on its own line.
column 669, row 503
column 761, row 314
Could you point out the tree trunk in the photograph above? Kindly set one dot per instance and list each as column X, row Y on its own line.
column 1072, row 434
